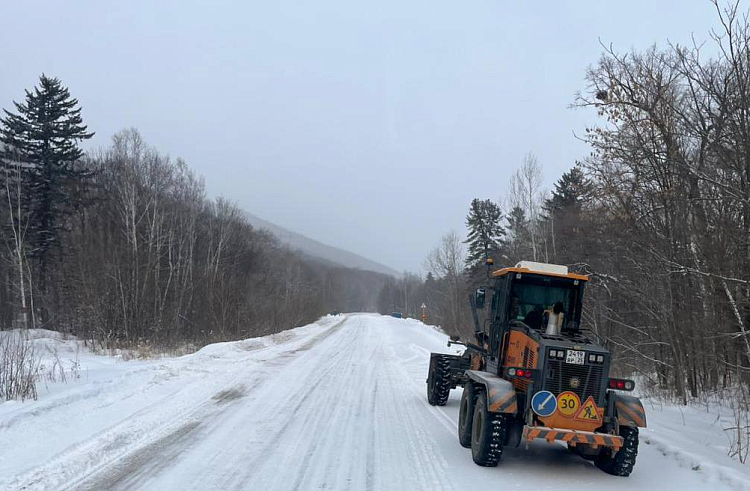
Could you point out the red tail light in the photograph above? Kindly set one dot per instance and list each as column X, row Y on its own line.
column 620, row 384
column 520, row 372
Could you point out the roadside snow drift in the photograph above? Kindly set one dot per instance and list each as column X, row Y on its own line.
column 338, row 405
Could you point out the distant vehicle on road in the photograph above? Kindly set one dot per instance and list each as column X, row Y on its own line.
column 334, row 312
column 397, row 315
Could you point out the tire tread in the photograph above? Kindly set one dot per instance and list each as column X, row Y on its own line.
column 442, row 388
column 620, row 464
column 489, row 450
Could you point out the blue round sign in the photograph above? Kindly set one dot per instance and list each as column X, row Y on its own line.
column 544, row 403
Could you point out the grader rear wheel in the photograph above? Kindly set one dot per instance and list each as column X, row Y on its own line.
column 620, row 463
column 487, row 434
column 466, row 414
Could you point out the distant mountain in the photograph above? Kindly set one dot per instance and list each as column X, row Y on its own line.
column 319, row 250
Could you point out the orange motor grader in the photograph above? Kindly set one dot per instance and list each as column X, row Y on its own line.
column 534, row 373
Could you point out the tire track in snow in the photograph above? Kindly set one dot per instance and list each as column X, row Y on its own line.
column 430, row 467
column 342, row 415
column 325, row 434
column 326, row 417
column 274, row 418
column 108, row 451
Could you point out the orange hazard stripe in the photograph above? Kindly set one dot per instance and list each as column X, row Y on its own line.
column 572, row 436
column 501, row 405
column 638, row 411
column 628, row 413
column 568, row 437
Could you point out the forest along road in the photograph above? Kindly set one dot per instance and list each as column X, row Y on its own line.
column 339, row 407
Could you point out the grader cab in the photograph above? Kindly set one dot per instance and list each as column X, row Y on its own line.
column 532, row 372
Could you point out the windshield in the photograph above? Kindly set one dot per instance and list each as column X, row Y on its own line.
column 532, row 302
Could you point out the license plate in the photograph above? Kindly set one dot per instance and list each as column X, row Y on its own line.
column 575, row 357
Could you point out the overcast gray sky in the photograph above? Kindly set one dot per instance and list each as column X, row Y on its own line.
column 366, row 125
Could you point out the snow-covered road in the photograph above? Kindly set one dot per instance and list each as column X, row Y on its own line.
column 336, row 405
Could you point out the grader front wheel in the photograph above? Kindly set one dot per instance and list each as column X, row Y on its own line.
column 438, row 382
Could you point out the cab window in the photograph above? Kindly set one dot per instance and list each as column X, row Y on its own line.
column 532, row 299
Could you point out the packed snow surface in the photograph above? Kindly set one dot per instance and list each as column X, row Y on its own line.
column 336, row 405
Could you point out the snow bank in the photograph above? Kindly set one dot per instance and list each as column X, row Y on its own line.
column 694, row 437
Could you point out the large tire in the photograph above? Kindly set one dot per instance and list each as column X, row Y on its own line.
column 487, row 434
column 621, row 463
column 466, row 414
column 438, row 382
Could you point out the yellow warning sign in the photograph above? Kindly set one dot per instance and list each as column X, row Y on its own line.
column 588, row 411
column 568, row 403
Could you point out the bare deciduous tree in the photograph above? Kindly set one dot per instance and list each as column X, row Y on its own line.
column 526, row 194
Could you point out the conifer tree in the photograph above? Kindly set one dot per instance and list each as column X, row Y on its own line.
column 517, row 244
column 44, row 134
column 563, row 215
column 485, row 233
column 569, row 194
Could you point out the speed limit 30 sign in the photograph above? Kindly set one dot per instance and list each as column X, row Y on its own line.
column 568, row 404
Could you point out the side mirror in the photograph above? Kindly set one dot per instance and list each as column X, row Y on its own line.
column 479, row 297
column 454, row 338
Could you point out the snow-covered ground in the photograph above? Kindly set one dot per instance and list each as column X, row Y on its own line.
column 339, row 404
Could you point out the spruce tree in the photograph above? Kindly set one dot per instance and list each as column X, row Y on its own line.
column 517, row 244
column 45, row 134
column 485, row 233
column 563, row 215
column 569, row 194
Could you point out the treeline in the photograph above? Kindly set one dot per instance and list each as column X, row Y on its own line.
column 668, row 213
column 658, row 215
column 124, row 247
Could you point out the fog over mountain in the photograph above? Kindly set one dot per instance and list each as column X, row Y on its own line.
column 319, row 250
